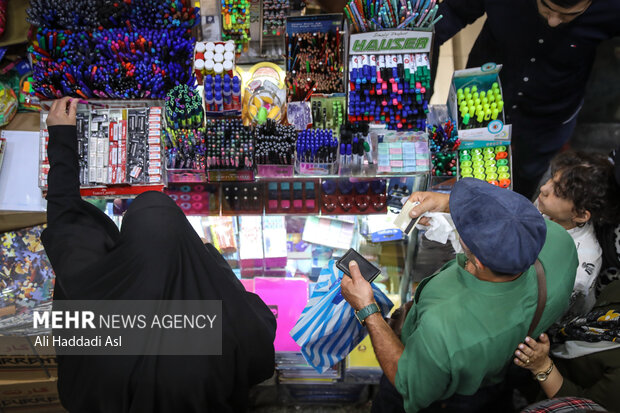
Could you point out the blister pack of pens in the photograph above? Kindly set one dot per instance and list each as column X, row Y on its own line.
column 389, row 78
column 116, row 146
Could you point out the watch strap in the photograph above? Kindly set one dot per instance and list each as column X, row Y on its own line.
column 366, row 311
column 543, row 375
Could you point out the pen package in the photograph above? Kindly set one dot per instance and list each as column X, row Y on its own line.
column 242, row 198
column 476, row 107
column 353, row 196
column 195, row 199
column 116, row 146
column 291, row 197
column 328, row 112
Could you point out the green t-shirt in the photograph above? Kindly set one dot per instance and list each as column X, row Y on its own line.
column 462, row 332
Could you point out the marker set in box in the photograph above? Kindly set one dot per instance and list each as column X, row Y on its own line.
column 115, row 146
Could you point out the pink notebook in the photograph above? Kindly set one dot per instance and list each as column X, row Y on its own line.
column 248, row 284
column 286, row 297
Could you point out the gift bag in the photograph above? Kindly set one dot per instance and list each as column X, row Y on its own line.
column 327, row 329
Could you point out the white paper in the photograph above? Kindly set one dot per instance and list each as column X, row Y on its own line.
column 19, row 185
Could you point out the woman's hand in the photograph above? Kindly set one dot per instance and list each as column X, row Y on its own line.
column 533, row 355
column 62, row 112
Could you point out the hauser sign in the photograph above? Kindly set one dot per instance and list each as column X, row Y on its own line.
column 388, row 42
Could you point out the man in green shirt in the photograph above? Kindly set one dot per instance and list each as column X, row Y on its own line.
column 469, row 317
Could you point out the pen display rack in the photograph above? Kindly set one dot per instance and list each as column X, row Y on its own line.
column 316, row 152
column 476, row 107
column 229, row 150
column 119, row 148
column 275, row 149
column 389, row 78
column 314, row 60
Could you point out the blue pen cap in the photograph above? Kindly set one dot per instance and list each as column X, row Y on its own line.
column 236, row 80
column 236, row 88
column 209, row 79
column 227, row 78
column 227, row 88
column 349, row 149
column 218, row 96
column 343, row 149
column 218, row 79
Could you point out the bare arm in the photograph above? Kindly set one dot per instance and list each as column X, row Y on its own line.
column 388, row 347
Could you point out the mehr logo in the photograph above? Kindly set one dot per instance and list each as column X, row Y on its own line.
column 399, row 43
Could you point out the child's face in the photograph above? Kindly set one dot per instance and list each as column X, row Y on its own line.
column 558, row 209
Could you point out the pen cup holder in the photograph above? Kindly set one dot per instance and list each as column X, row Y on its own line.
column 313, row 168
column 275, row 171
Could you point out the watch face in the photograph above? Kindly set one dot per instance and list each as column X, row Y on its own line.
column 541, row 376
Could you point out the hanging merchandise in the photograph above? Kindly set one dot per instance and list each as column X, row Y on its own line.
column 314, row 56
column 236, row 23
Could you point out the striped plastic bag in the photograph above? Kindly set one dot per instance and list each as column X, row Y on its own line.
column 327, row 329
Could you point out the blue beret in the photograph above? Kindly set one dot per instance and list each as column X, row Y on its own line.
column 503, row 229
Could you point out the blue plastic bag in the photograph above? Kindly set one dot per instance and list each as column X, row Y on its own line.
column 327, row 329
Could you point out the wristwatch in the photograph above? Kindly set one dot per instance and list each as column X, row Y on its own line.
column 362, row 314
column 543, row 375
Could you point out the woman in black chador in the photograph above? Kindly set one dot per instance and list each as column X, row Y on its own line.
column 155, row 256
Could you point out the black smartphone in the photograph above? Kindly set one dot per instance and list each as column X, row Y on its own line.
column 369, row 271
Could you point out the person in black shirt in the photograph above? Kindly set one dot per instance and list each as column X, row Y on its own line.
column 155, row 256
column 547, row 48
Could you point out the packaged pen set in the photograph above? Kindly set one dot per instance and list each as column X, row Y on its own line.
column 314, row 60
column 476, row 107
column 116, row 146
